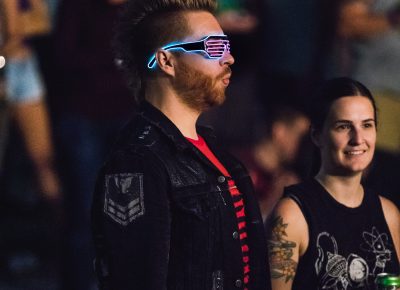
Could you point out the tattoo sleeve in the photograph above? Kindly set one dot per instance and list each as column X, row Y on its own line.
column 280, row 252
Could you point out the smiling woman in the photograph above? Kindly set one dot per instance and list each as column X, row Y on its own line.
column 341, row 235
column 347, row 139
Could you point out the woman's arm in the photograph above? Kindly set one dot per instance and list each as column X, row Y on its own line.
column 392, row 217
column 287, row 242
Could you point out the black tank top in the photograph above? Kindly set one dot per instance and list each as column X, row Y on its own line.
column 347, row 247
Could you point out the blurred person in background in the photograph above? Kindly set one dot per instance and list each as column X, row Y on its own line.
column 25, row 92
column 271, row 160
column 369, row 34
column 330, row 231
column 31, row 215
column 90, row 102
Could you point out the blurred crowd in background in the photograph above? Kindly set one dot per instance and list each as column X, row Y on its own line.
column 63, row 101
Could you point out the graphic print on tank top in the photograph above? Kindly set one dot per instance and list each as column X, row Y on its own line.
column 341, row 273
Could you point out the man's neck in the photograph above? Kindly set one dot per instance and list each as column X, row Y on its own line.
column 183, row 117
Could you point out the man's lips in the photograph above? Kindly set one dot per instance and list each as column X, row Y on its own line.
column 226, row 79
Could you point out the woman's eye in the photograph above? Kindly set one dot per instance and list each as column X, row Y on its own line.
column 343, row 127
column 369, row 125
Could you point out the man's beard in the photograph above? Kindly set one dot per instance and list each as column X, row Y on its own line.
column 198, row 90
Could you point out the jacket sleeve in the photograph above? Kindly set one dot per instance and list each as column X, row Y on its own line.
column 131, row 224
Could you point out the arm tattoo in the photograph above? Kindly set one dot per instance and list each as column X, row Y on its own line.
column 280, row 252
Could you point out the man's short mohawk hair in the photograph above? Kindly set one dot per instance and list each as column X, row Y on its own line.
column 145, row 8
column 147, row 24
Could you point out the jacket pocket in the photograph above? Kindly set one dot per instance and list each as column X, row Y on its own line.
column 197, row 200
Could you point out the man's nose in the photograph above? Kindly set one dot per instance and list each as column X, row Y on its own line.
column 227, row 59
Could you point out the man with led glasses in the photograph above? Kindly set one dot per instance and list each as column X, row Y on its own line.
column 171, row 210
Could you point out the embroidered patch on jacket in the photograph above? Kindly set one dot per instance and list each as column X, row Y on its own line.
column 124, row 197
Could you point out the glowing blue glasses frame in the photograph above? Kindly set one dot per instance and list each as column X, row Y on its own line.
column 214, row 46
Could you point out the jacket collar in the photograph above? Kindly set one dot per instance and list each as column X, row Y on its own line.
column 168, row 128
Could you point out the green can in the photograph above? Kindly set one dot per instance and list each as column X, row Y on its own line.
column 385, row 281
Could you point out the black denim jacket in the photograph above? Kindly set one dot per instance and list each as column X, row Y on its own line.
column 163, row 217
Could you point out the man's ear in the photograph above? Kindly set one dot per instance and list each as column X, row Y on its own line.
column 166, row 61
column 315, row 136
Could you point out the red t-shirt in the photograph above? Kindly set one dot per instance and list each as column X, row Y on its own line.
column 237, row 202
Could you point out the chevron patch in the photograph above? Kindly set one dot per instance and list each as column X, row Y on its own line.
column 124, row 197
